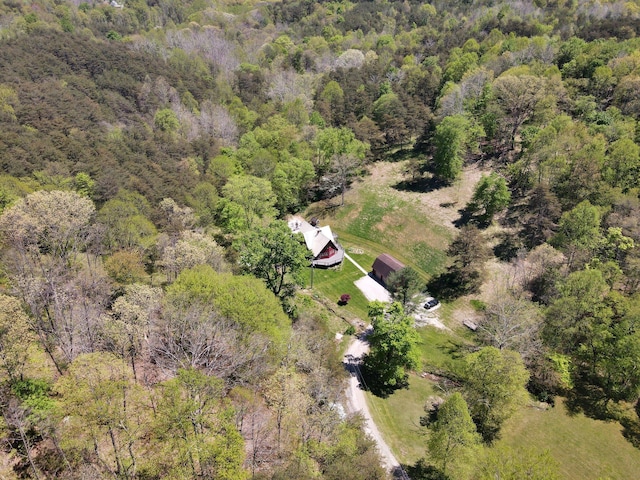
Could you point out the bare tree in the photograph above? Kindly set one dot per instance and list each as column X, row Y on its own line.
column 46, row 234
column 512, row 322
column 191, row 334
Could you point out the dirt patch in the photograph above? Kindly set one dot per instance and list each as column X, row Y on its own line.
column 440, row 205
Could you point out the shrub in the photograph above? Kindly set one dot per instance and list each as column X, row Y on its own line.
column 344, row 299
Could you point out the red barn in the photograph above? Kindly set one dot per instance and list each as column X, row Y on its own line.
column 384, row 265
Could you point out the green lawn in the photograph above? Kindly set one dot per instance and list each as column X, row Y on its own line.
column 440, row 350
column 398, row 419
column 331, row 283
column 585, row 449
column 384, row 223
column 380, row 222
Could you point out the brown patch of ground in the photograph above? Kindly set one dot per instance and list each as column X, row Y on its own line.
column 441, row 205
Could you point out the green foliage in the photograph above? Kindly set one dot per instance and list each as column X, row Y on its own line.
column 403, row 284
column 459, row 63
column 453, row 439
column 35, row 395
column 580, row 301
column 579, row 227
column 16, row 338
column 393, row 348
column 561, row 114
column 125, row 266
column 166, row 120
column 128, row 226
column 491, row 195
column 453, row 137
column 468, row 253
column 494, row 387
column 562, row 365
column 101, row 401
column 333, row 142
column 84, row 185
column 273, row 254
column 195, row 431
column 253, row 197
column 241, row 299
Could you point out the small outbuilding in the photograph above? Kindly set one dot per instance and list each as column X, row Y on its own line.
column 384, row 265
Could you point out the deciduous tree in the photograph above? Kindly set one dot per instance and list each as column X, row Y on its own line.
column 16, row 337
column 453, row 137
column 512, row 322
column 194, row 430
column 453, row 439
column 490, row 196
column 519, row 96
column 393, row 344
column 253, row 195
column 273, row 253
column 494, row 387
column 403, row 284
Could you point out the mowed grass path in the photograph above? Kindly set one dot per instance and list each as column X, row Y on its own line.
column 585, row 449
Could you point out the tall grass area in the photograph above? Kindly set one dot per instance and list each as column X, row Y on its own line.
column 585, row 449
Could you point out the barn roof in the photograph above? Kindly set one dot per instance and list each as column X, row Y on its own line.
column 385, row 264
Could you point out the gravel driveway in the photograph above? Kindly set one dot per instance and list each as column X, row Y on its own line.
column 372, row 289
column 356, row 401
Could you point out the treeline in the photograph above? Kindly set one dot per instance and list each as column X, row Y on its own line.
column 106, row 374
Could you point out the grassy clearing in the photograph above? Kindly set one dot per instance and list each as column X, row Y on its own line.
column 384, row 223
column 398, row 418
column 584, row 448
column 378, row 219
column 440, row 351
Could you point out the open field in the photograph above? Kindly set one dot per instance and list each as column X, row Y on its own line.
column 398, row 418
column 585, row 449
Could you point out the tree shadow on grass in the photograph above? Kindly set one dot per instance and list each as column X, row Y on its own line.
column 588, row 399
column 631, row 430
column 508, row 247
column 401, row 154
column 421, row 185
column 372, row 382
column 422, row 471
column 592, row 402
column 454, row 350
column 451, row 285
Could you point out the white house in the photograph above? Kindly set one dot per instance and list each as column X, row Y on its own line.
column 320, row 241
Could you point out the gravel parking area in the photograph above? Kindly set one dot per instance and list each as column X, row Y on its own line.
column 372, row 289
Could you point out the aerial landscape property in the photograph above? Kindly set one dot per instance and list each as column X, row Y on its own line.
column 336, row 240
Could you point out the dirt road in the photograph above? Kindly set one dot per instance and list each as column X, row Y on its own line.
column 356, row 401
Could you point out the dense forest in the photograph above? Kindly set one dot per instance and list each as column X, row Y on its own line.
column 154, row 322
